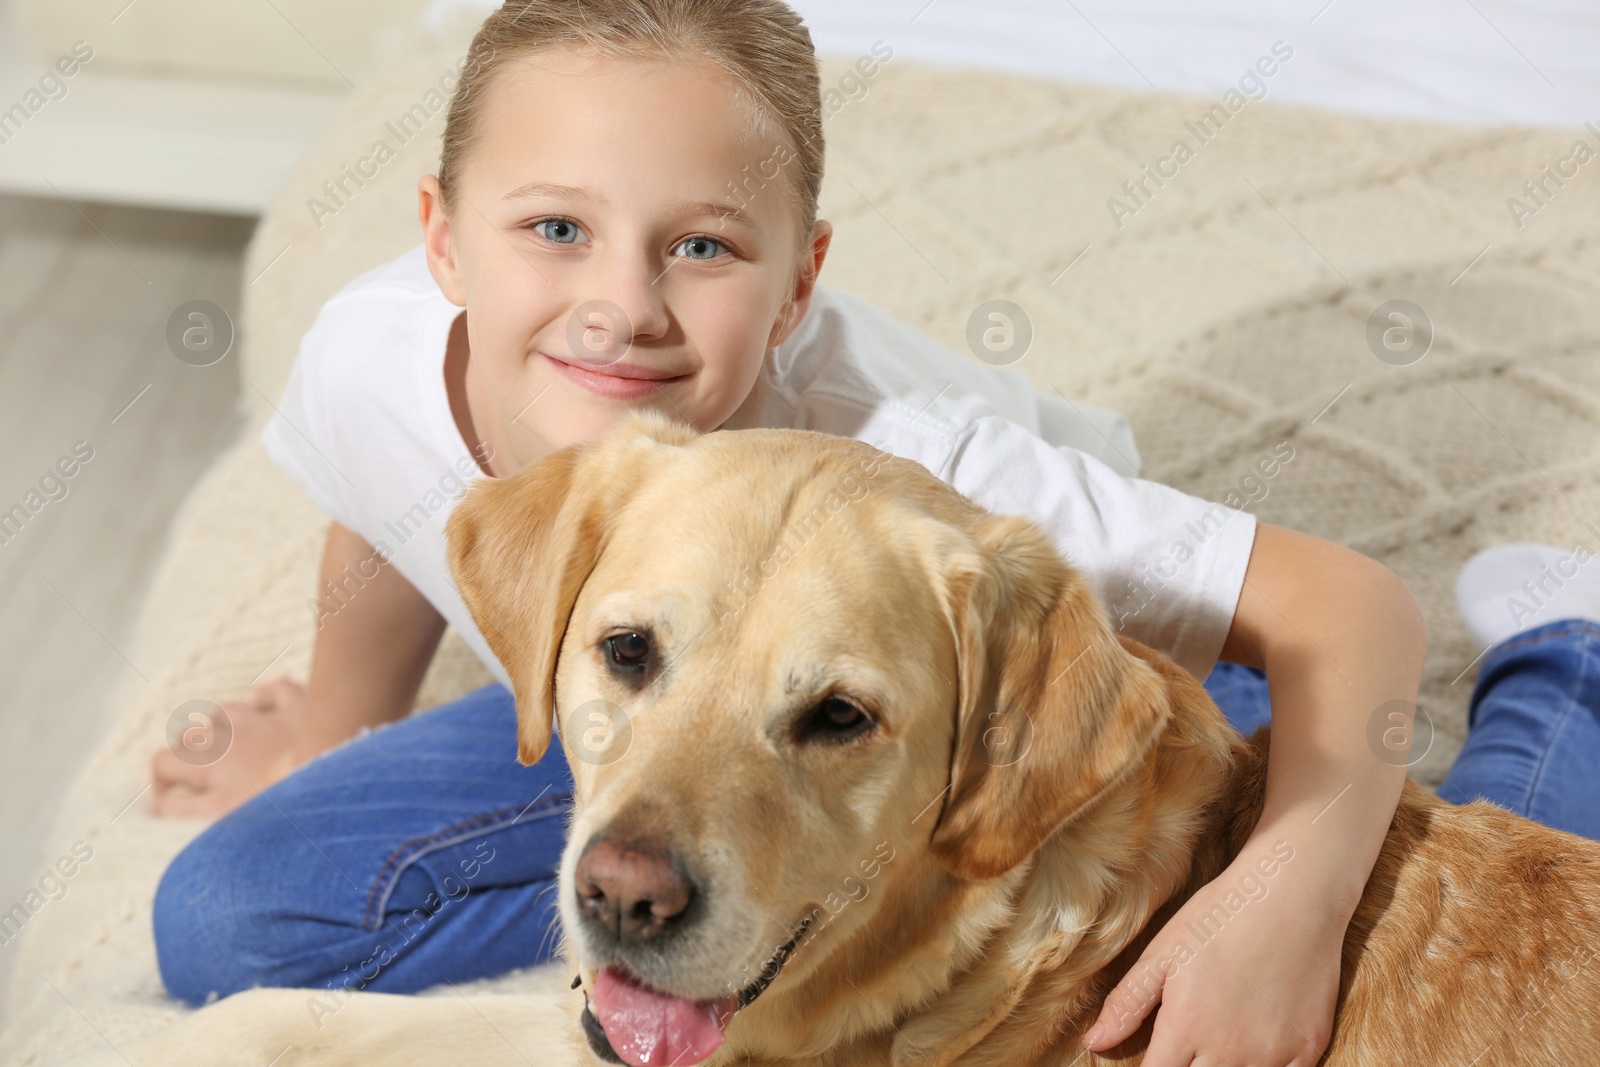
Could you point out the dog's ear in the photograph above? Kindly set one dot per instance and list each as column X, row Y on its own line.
column 522, row 546
column 1051, row 709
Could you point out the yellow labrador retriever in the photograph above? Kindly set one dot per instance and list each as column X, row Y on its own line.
column 865, row 777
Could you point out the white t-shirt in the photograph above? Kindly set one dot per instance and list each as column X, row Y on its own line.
column 365, row 428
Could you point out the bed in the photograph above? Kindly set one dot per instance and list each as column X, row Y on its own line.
column 1227, row 313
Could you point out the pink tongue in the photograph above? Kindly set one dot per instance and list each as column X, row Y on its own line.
column 651, row 1029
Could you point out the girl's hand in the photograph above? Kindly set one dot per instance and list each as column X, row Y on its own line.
column 259, row 737
column 1245, row 973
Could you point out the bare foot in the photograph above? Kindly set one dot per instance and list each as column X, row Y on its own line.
column 217, row 762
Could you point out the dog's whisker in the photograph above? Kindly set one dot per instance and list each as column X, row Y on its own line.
column 551, row 932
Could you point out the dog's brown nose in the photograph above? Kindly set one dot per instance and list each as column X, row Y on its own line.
column 632, row 889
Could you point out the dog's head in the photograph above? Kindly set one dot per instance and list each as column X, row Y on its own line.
column 797, row 680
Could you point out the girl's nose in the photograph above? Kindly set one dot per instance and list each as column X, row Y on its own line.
column 628, row 303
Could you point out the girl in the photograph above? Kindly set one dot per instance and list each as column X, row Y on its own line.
column 582, row 255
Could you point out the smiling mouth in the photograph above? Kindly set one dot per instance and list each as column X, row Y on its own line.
column 615, row 381
column 629, row 1022
column 616, row 369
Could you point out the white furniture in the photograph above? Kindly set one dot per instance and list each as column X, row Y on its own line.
column 184, row 104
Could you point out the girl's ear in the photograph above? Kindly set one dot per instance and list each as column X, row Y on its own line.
column 805, row 283
column 521, row 548
column 1052, row 710
column 438, row 240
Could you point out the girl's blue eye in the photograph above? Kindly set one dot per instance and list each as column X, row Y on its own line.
column 562, row 231
column 701, row 243
column 566, row 232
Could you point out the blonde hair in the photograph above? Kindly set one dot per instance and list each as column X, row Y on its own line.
column 762, row 44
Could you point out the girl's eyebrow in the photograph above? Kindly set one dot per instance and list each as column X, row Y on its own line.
column 725, row 212
column 532, row 189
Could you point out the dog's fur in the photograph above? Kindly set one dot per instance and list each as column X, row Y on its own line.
column 1046, row 791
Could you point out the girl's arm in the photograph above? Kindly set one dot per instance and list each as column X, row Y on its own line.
column 373, row 644
column 1342, row 642
column 370, row 653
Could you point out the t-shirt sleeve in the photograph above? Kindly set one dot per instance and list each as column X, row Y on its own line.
column 1105, row 435
column 1169, row 567
column 298, row 436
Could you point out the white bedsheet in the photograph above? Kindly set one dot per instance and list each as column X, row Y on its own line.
column 1533, row 62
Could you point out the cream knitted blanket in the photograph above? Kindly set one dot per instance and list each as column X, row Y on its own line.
column 1224, row 298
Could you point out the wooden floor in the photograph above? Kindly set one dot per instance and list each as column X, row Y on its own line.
column 86, row 292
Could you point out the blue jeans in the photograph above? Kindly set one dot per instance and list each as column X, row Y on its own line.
column 1533, row 740
column 419, row 854
column 425, row 853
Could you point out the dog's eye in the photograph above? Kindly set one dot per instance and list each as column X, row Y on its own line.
column 630, row 651
column 835, row 719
